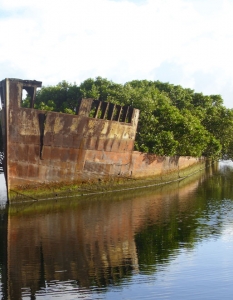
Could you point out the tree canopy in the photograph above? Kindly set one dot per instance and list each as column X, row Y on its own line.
column 173, row 120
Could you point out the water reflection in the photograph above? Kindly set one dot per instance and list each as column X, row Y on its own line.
column 92, row 244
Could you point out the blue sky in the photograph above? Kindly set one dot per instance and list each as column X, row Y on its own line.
column 185, row 42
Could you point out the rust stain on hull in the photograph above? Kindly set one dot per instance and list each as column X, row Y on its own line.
column 50, row 147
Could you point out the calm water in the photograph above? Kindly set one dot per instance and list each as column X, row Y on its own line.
column 172, row 242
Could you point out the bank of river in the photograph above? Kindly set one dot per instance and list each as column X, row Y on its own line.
column 166, row 242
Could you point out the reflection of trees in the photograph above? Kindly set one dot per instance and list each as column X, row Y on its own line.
column 97, row 242
column 158, row 242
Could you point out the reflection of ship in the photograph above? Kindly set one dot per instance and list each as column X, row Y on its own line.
column 48, row 147
column 91, row 243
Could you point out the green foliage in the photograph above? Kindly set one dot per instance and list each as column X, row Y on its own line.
column 63, row 97
column 26, row 102
column 173, row 120
column 218, row 121
column 50, row 106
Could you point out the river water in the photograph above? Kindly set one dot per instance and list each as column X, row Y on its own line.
column 170, row 242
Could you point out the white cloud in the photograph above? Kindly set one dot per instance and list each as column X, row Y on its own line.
column 121, row 40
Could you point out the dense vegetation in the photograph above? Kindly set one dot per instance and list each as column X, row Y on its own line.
column 173, row 120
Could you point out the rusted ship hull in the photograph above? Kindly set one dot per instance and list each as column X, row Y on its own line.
column 42, row 147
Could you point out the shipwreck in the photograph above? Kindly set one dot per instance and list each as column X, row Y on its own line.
column 42, row 148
